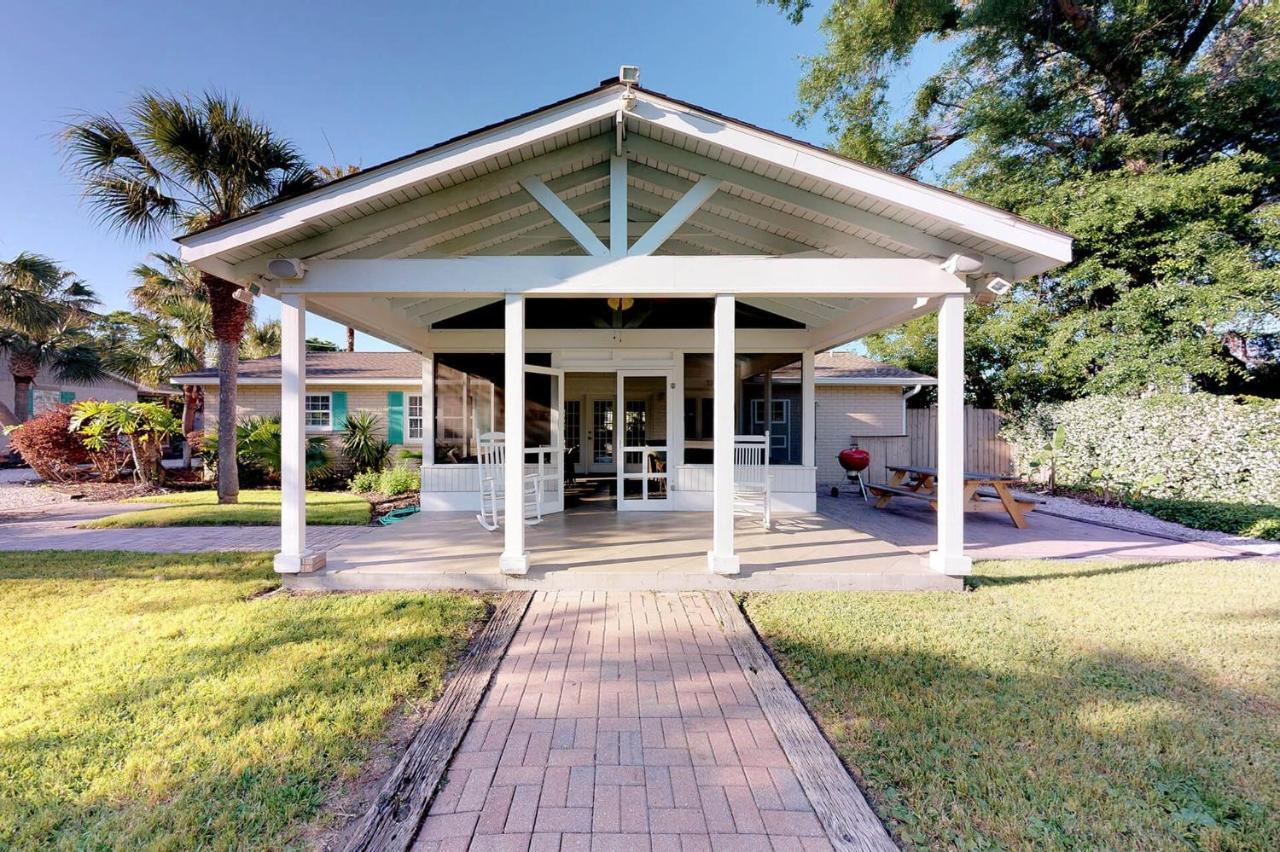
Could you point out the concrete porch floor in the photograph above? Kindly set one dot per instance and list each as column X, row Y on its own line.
column 633, row 551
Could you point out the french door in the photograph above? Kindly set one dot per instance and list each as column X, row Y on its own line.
column 544, row 433
column 642, row 433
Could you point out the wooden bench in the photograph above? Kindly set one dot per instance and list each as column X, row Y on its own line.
column 887, row 492
column 1024, row 501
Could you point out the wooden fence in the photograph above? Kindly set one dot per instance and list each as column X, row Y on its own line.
column 985, row 450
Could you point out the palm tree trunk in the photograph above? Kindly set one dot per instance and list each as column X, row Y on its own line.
column 351, row 339
column 229, row 316
column 21, row 398
column 189, row 399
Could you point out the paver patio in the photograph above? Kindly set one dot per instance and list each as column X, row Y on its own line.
column 620, row 721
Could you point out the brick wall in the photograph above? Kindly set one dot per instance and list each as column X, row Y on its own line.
column 873, row 414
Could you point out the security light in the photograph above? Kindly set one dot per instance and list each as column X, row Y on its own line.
column 629, row 74
column 246, row 294
column 287, row 268
column 999, row 286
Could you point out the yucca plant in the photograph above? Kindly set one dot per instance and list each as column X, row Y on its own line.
column 361, row 443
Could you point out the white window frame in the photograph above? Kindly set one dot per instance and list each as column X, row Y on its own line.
column 409, row 433
column 757, row 412
column 307, row 412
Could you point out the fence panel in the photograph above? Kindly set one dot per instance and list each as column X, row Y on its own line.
column 985, row 450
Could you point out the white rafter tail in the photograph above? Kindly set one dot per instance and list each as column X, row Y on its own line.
column 569, row 220
column 679, row 213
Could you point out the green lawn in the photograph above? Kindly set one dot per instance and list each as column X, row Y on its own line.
column 1056, row 705
column 256, row 507
column 158, row 701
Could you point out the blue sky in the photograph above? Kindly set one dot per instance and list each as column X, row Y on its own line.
column 356, row 83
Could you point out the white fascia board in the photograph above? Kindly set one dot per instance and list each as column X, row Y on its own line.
column 964, row 214
column 635, row 276
column 360, row 188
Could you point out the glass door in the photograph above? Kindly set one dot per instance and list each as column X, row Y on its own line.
column 598, row 449
column 544, row 434
column 643, row 472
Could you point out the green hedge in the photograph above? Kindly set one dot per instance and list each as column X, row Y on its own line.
column 1256, row 520
column 1176, row 446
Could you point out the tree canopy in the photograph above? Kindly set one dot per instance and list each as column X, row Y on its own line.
column 1148, row 129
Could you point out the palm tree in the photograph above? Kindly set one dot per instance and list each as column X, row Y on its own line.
column 178, row 332
column 36, row 293
column 185, row 163
column 64, row 348
column 261, row 340
column 43, row 309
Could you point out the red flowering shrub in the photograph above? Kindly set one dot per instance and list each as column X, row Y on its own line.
column 47, row 443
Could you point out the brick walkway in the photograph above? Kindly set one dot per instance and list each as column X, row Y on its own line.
column 620, row 721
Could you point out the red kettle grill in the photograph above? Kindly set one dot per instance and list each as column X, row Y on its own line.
column 854, row 460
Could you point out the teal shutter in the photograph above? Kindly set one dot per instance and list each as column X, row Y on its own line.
column 395, row 417
column 67, row 397
column 338, row 406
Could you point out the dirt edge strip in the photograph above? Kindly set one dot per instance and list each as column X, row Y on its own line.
column 846, row 816
column 393, row 819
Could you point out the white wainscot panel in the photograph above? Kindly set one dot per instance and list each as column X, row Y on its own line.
column 794, row 488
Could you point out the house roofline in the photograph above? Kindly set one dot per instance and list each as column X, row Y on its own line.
column 605, row 86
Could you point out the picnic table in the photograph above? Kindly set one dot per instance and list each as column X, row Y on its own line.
column 983, row 492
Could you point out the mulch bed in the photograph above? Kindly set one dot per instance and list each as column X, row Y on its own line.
column 96, row 491
column 380, row 504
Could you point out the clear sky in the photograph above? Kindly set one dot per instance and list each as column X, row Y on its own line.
column 354, row 83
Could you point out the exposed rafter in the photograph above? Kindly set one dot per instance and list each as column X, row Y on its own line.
column 565, row 216
column 676, row 215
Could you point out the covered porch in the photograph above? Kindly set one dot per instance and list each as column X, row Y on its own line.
column 627, row 235
column 596, row 549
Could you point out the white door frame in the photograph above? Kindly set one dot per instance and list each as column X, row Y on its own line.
column 556, row 457
column 620, row 448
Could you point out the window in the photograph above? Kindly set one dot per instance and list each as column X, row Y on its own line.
column 572, row 423
column 319, row 412
column 413, row 417
column 44, row 400
column 781, row 412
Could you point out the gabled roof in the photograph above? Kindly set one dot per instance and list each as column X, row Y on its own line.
column 780, row 196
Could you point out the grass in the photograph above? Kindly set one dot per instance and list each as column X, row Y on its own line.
column 160, row 702
column 256, row 507
column 1256, row 520
column 1056, row 705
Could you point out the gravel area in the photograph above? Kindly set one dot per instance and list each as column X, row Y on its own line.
column 1131, row 519
column 20, row 496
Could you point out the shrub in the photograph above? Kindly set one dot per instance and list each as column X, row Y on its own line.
column 397, row 480
column 365, row 481
column 1248, row 519
column 1169, row 446
column 48, row 445
column 361, row 444
column 258, row 449
column 392, row 482
column 142, row 426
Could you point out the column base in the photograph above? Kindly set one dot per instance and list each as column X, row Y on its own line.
column 515, row 564
column 299, row 563
column 952, row 566
column 723, row 564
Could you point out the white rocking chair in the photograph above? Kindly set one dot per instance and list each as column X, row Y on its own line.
column 492, row 448
column 751, row 477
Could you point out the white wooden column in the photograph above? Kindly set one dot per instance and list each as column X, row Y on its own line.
column 514, row 559
column 675, row 405
column 428, row 409
column 293, row 556
column 808, row 405
column 722, row 559
column 949, row 558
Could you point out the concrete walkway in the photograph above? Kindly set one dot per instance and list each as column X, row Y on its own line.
column 54, row 527
column 620, row 721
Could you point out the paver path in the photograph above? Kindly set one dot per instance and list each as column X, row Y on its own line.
column 620, row 721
